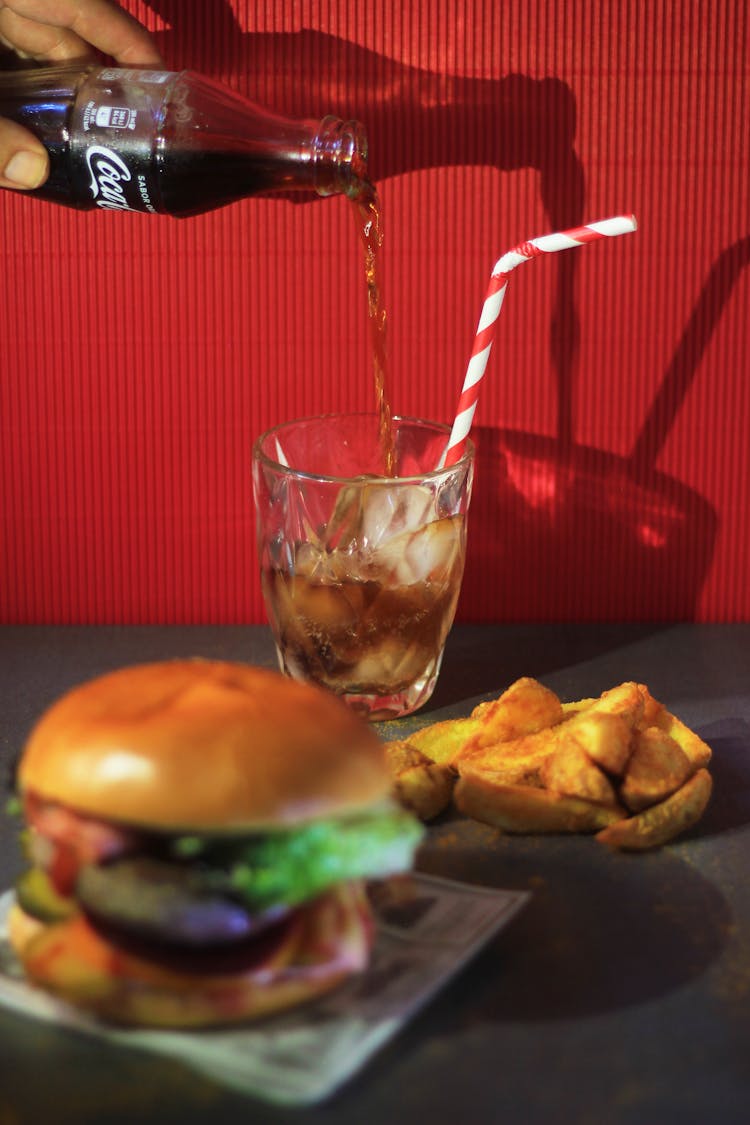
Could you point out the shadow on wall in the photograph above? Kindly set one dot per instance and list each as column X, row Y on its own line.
column 581, row 534
column 577, row 532
column 415, row 119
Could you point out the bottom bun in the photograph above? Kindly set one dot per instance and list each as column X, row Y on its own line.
column 320, row 945
column 22, row 928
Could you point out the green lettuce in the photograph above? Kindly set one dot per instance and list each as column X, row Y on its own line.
column 292, row 866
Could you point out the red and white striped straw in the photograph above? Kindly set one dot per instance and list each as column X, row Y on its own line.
column 547, row 244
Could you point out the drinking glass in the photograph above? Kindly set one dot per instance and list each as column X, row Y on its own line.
column 360, row 570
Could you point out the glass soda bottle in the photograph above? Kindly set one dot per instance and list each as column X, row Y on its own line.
column 172, row 142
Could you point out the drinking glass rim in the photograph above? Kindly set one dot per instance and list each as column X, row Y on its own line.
column 429, row 474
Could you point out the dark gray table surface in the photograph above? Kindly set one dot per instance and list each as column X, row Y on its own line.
column 621, row 994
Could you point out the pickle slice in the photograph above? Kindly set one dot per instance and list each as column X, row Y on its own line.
column 36, row 895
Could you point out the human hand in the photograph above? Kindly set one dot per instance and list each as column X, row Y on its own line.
column 55, row 31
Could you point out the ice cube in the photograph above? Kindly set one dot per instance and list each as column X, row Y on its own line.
column 310, row 561
column 368, row 512
column 319, row 565
column 389, row 510
column 415, row 556
column 345, row 524
column 327, row 606
column 432, row 551
column 388, row 666
column 389, row 564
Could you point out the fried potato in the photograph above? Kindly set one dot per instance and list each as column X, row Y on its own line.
column 518, row 762
column 607, row 738
column 652, row 709
column 524, row 708
column 655, row 714
column 619, row 764
column 482, row 708
column 421, row 785
column 570, row 770
column 604, row 734
column 660, row 823
column 571, row 710
column 442, row 742
column 524, row 809
column 697, row 751
column 625, row 700
column 658, row 767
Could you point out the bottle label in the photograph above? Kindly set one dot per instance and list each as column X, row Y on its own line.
column 113, row 139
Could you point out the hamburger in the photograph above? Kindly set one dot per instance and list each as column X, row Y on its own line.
column 199, row 835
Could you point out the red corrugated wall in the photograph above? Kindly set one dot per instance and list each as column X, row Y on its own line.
column 141, row 355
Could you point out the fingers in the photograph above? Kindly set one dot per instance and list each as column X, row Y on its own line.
column 111, row 30
column 31, row 40
column 23, row 160
column 57, row 30
column 66, row 29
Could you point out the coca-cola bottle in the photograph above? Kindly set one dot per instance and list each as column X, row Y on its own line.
column 172, row 142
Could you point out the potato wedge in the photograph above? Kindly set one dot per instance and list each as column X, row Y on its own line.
column 442, row 742
column 421, row 785
column 619, row 764
column 655, row 714
column 570, row 770
column 524, row 809
column 625, row 700
column 652, row 708
column 657, row 768
column 660, row 823
column 524, row 708
column 697, row 751
column 518, row 762
column 607, row 738
column 576, row 707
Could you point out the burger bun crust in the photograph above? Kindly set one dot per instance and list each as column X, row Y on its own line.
column 203, row 745
column 75, row 962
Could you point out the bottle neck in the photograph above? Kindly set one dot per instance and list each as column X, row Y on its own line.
column 339, row 158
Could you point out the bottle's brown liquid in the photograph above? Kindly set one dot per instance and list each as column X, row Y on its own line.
column 368, row 217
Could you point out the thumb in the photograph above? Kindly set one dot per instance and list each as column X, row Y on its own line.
column 23, row 159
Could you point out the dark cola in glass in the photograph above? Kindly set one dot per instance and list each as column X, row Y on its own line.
column 172, row 142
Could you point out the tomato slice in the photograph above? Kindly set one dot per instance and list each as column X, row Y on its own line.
column 63, row 841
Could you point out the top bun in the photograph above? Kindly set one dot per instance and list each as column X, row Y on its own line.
column 200, row 744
